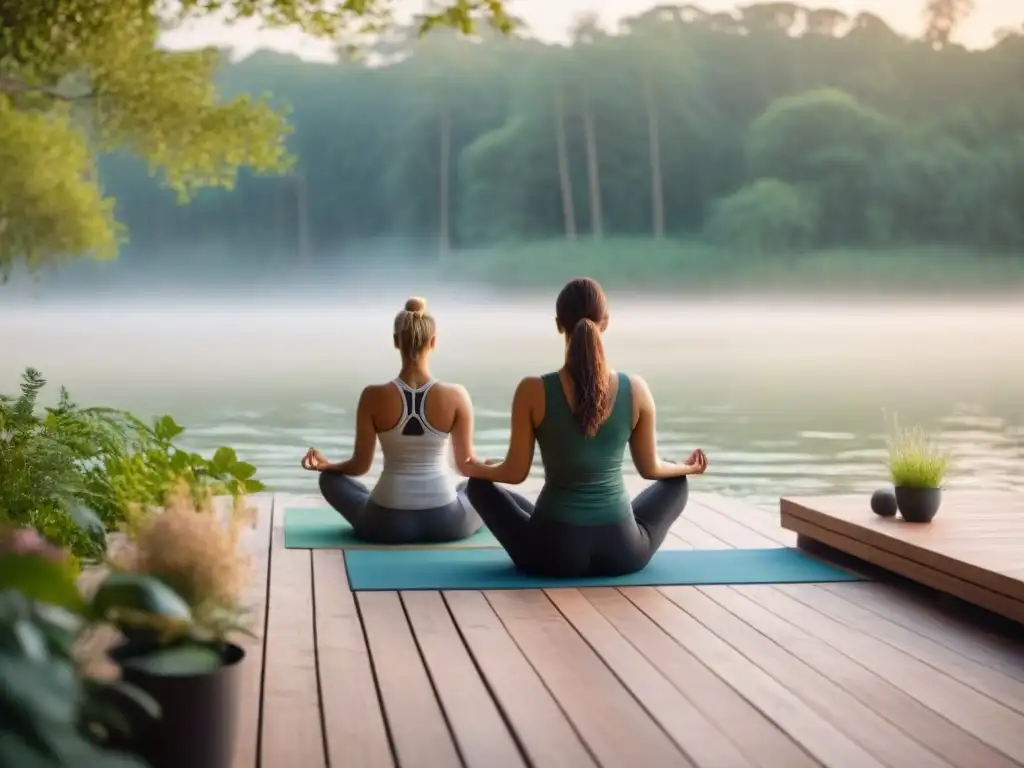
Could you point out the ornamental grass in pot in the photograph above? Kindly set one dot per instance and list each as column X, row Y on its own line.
column 182, row 655
column 917, row 467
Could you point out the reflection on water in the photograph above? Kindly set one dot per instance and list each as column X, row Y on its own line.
column 784, row 401
column 760, row 470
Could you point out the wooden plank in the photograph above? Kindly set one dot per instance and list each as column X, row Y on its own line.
column 725, row 528
column 256, row 544
column 613, row 725
column 838, row 707
column 928, row 619
column 930, row 577
column 947, row 544
column 815, row 734
column 696, row 536
column 768, row 524
column 698, row 737
column 354, row 725
column 541, row 727
column 480, row 732
column 416, row 722
column 291, row 732
column 989, row 721
column 954, row 744
column 760, row 740
column 1007, row 690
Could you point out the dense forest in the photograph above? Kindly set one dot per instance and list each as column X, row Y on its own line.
column 774, row 128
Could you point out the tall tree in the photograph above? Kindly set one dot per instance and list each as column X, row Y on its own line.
column 943, row 17
column 587, row 31
column 81, row 76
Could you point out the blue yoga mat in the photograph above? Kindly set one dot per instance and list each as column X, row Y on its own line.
column 323, row 528
column 492, row 569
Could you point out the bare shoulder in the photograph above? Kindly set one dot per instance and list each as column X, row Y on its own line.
column 453, row 392
column 641, row 392
column 530, row 386
column 373, row 391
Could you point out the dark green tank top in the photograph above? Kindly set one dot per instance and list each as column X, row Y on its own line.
column 583, row 482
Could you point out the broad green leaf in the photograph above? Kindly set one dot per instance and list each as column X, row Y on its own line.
column 180, row 461
column 139, row 593
column 242, row 470
column 16, row 752
column 90, row 524
column 178, row 661
column 45, row 691
column 223, row 460
column 31, row 641
column 41, row 578
column 253, row 486
column 167, row 429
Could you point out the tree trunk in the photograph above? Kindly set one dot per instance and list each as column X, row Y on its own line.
column 444, row 212
column 654, row 147
column 302, row 218
column 565, row 179
column 593, row 176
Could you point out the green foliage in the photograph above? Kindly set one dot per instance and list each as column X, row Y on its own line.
column 767, row 215
column 898, row 145
column 691, row 266
column 915, row 460
column 73, row 473
column 50, row 715
column 50, row 207
column 78, row 76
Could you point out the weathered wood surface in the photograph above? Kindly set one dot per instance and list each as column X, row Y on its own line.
column 973, row 549
column 851, row 675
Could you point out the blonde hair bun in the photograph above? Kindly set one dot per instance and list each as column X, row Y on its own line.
column 416, row 304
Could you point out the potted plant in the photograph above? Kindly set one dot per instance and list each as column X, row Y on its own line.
column 917, row 466
column 53, row 712
column 184, row 659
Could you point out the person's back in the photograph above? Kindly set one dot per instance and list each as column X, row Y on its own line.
column 417, row 473
column 414, row 417
column 582, row 417
column 583, row 482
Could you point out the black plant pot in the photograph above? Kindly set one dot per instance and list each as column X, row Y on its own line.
column 198, row 713
column 918, row 505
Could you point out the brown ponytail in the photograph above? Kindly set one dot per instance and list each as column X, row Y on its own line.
column 582, row 314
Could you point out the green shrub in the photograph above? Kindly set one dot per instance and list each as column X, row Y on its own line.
column 73, row 473
column 915, row 461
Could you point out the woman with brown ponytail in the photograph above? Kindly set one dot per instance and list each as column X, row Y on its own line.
column 414, row 417
column 582, row 417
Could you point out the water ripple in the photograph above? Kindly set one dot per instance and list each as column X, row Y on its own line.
column 758, row 462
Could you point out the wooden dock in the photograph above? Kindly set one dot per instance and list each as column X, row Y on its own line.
column 973, row 549
column 851, row 675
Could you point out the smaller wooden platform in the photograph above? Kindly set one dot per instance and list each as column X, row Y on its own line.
column 973, row 549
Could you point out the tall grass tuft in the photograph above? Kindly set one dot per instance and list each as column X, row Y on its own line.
column 915, row 460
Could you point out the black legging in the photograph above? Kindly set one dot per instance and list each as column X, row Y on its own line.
column 381, row 525
column 541, row 546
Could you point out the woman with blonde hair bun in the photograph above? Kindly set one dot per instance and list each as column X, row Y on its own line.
column 416, row 499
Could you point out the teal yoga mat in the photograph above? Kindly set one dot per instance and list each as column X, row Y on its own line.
column 491, row 569
column 323, row 528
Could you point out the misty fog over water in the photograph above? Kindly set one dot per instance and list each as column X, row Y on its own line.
column 784, row 396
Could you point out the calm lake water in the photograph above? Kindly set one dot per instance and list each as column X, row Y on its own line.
column 784, row 398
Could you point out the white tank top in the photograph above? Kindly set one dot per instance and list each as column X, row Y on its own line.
column 416, row 472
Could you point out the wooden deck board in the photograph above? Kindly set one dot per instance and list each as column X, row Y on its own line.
column 419, row 728
column 257, row 544
column 688, row 727
column 958, row 747
column 973, row 549
column 838, row 675
column 354, row 728
column 291, row 728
